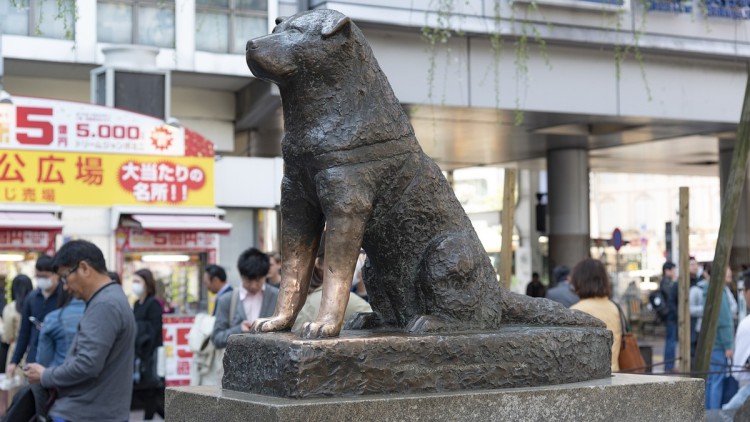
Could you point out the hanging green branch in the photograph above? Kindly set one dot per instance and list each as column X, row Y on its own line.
column 436, row 36
column 496, row 42
column 440, row 33
column 522, row 55
column 622, row 51
column 67, row 12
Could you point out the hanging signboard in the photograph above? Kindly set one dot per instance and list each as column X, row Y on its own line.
column 34, row 240
column 134, row 239
column 44, row 124
column 80, row 154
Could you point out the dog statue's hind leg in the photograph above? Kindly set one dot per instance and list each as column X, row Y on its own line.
column 522, row 309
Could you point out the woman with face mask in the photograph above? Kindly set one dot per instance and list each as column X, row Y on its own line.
column 148, row 390
column 20, row 288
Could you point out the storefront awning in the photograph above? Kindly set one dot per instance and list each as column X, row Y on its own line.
column 182, row 223
column 44, row 221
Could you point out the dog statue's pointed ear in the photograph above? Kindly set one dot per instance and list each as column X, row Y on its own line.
column 280, row 19
column 344, row 24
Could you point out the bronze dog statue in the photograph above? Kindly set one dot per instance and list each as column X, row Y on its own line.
column 352, row 163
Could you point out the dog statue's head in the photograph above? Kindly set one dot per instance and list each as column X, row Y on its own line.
column 308, row 43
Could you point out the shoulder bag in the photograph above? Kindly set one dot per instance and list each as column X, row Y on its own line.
column 631, row 360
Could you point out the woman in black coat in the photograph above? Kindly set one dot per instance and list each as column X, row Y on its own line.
column 147, row 387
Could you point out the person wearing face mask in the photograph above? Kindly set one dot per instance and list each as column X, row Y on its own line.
column 148, row 390
column 36, row 306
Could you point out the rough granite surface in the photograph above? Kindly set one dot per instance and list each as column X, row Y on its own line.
column 622, row 397
column 372, row 362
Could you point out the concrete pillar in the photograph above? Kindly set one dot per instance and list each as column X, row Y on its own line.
column 185, row 30
column 740, row 253
column 528, row 254
column 569, row 227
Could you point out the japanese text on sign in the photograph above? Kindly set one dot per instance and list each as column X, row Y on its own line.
column 53, row 125
column 160, row 182
column 137, row 239
column 104, row 179
column 177, row 352
column 26, row 240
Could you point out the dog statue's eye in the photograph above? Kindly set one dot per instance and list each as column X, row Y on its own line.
column 294, row 29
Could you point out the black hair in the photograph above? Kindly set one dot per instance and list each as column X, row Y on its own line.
column 667, row 266
column 561, row 272
column 216, row 271
column 75, row 251
column 115, row 277
column 253, row 264
column 45, row 263
column 149, row 281
column 63, row 298
column 20, row 287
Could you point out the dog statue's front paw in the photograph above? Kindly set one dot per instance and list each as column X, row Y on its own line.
column 312, row 330
column 267, row 325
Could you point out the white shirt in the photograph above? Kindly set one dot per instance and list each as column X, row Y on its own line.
column 742, row 349
column 252, row 303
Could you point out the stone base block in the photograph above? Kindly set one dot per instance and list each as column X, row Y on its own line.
column 623, row 397
column 363, row 362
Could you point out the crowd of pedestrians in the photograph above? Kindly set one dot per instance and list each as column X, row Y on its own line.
column 587, row 288
column 237, row 309
column 81, row 347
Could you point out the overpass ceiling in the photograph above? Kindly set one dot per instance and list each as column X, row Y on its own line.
column 458, row 137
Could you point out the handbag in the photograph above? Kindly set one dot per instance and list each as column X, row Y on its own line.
column 630, row 359
column 730, row 387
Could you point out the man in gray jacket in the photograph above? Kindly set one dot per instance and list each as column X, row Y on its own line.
column 95, row 382
column 562, row 292
column 236, row 312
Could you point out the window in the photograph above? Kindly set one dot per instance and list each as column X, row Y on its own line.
column 144, row 22
column 224, row 26
column 39, row 18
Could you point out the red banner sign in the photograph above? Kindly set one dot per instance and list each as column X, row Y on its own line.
column 27, row 240
column 177, row 353
column 133, row 239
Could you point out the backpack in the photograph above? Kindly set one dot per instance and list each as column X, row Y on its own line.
column 658, row 301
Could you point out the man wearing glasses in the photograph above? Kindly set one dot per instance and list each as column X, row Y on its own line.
column 95, row 381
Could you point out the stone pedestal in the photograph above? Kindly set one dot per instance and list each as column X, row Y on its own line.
column 623, row 397
column 366, row 362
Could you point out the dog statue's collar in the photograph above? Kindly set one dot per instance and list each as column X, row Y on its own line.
column 364, row 154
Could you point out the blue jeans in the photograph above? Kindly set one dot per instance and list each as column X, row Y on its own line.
column 738, row 399
column 670, row 346
column 715, row 382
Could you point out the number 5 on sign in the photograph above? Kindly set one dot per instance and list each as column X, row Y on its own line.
column 33, row 126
